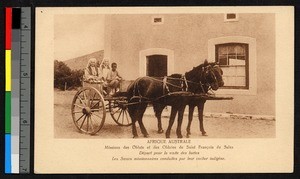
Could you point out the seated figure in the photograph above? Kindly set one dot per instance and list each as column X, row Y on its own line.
column 113, row 79
column 91, row 71
column 104, row 67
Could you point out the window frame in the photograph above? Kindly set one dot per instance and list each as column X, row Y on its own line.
column 246, row 64
column 252, row 62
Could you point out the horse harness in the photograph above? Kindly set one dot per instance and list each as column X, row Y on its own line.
column 184, row 87
column 183, row 84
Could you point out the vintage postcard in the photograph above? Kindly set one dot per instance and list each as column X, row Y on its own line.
column 164, row 90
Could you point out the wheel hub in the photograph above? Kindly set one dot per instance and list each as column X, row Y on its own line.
column 86, row 111
column 122, row 105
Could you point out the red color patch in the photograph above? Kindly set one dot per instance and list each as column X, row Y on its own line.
column 8, row 27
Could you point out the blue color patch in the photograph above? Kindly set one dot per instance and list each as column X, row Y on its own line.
column 7, row 153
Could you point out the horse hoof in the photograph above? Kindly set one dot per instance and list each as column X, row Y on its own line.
column 160, row 131
column 204, row 134
column 180, row 136
column 146, row 136
column 168, row 137
column 187, row 136
column 135, row 136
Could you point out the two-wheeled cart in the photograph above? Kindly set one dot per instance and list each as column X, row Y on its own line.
column 91, row 103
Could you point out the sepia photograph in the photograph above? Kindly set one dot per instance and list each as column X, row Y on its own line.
column 166, row 75
column 154, row 90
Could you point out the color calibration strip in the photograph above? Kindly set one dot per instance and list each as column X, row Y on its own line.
column 17, row 90
column 8, row 37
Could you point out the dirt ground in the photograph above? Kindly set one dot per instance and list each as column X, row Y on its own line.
column 215, row 127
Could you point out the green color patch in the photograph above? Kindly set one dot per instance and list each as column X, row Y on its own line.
column 7, row 112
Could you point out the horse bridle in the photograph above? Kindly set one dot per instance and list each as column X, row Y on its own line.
column 210, row 70
column 207, row 69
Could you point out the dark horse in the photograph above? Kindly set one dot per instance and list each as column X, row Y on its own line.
column 146, row 90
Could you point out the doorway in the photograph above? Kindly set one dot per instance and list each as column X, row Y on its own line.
column 157, row 65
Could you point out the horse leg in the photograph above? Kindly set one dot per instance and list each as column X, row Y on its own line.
column 179, row 123
column 171, row 121
column 141, row 112
column 191, row 112
column 158, row 110
column 134, row 132
column 200, row 116
column 133, row 116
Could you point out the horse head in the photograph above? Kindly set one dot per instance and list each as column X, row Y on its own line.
column 213, row 76
column 208, row 74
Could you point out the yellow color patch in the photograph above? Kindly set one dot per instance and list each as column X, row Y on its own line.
column 7, row 70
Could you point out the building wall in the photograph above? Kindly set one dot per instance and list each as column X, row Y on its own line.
column 188, row 35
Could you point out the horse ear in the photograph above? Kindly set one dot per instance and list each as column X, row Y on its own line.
column 205, row 62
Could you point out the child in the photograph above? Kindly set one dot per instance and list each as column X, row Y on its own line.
column 113, row 79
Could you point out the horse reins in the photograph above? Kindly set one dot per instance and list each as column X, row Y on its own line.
column 165, row 82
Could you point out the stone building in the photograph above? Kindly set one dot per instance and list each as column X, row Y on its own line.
column 243, row 44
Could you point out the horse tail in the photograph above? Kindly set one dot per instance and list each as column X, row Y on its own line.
column 133, row 88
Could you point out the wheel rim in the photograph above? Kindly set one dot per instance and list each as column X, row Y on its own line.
column 88, row 110
column 119, row 112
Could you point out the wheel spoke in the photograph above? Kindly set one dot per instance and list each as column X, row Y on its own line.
column 122, row 116
column 80, row 118
column 85, row 98
column 81, row 100
column 88, row 98
column 92, row 124
column 82, row 122
column 116, row 111
column 127, row 117
column 78, row 106
column 95, row 105
column 95, row 110
column 119, row 116
column 97, row 116
column 87, row 124
column 77, row 112
column 93, row 98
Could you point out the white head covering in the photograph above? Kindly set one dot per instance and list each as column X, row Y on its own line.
column 91, row 60
column 94, row 69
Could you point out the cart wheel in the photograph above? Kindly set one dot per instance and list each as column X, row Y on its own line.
column 119, row 112
column 88, row 110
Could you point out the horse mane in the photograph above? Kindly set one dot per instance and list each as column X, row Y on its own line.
column 176, row 75
column 198, row 68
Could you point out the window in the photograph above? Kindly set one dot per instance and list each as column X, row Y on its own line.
column 230, row 17
column 157, row 20
column 233, row 59
column 239, row 51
